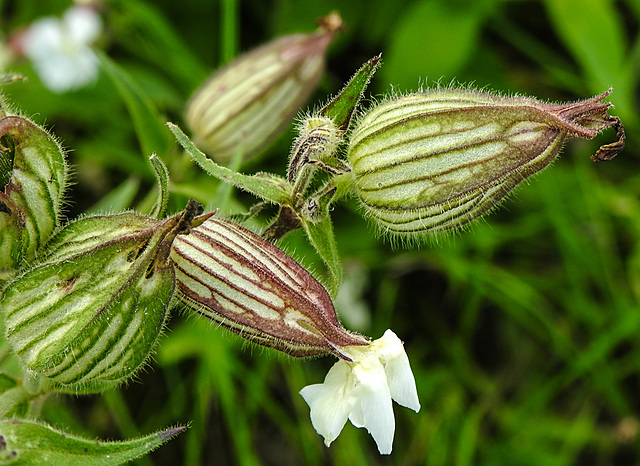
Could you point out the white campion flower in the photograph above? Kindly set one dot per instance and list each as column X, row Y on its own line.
column 59, row 48
column 362, row 390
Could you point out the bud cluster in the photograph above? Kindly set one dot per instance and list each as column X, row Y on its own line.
column 89, row 313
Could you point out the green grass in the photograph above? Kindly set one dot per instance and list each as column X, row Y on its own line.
column 523, row 331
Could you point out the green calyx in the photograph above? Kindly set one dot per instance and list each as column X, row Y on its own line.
column 33, row 173
column 90, row 314
column 435, row 161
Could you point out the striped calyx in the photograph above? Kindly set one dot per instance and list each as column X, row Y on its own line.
column 90, row 314
column 33, row 177
column 437, row 160
column 248, row 102
column 251, row 287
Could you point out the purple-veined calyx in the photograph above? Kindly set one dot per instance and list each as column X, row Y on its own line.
column 231, row 275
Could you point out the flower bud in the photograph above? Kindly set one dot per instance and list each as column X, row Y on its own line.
column 34, row 178
column 318, row 140
column 89, row 316
column 251, row 287
column 437, row 160
column 248, row 102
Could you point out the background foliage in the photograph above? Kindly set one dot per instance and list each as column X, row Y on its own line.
column 523, row 332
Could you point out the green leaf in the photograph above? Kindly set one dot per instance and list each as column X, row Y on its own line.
column 319, row 228
column 156, row 40
column 162, row 175
column 594, row 36
column 596, row 39
column 342, row 106
column 446, row 33
column 28, row 442
column 149, row 127
column 266, row 186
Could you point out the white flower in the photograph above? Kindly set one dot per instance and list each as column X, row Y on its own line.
column 59, row 48
column 362, row 390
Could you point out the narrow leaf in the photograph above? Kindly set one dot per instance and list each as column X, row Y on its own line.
column 27, row 442
column 148, row 125
column 157, row 41
column 162, row 175
column 342, row 106
column 266, row 186
column 321, row 237
column 595, row 37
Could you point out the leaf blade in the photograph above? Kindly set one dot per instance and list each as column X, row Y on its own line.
column 28, row 442
column 342, row 107
column 266, row 186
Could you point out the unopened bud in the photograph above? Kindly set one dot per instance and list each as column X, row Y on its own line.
column 315, row 147
column 437, row 160
column 89, row 316
column 33, row 176
column 248, row 102
column 251, row 287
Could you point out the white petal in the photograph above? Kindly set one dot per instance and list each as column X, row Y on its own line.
column 83, row 24
column 331, row 402
column 362, row 391
column 373, row 409
column 398, row 370
column 61, row 73
column 59, row 51
column 43, row 38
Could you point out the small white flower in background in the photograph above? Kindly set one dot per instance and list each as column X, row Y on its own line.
column 362, row 390
column 59, row 48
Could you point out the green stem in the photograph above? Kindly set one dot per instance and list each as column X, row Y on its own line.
column 229, row 30
column 286, row 222
column 32, row 392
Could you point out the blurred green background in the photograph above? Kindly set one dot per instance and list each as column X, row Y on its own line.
column 523, row 331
